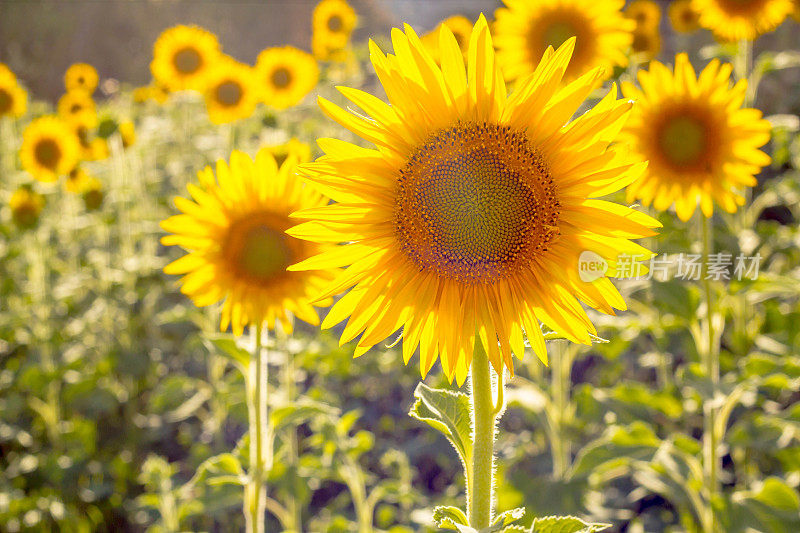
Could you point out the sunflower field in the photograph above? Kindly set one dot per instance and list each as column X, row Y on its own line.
column 400, row 266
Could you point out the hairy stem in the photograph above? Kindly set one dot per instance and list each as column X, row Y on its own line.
column 480, row 499
column 255, row 491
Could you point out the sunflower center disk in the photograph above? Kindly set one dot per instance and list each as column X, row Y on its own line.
column 335, row 23
column 187, row 60
column 557, row 33
column 683, row 141
column 5, row 102
column 475, row 203
column 258, row 249
column 281, row 78
column 229, row 93
column 47, row 153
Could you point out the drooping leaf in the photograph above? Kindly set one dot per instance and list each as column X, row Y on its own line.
column 449, row 517
column 448, row 412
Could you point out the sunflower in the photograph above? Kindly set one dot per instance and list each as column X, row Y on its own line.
column 183, row 57
column 127, row 133
column 300, row 151
column 684, row 19
column 78, row 107
column 332, row 23
column 646, row 14
column 81, row 77
column 646, row 43
column 735, row 20
column 98, row 149
column 238, row 251
column 26, row 206
column 468, row 219
column 286, row 75
column 92, row 194
column 702, row 146
column 13, row 98
column 77, row 180
column 49, row 148
column 461, row 28
column 525, row 29
column 231, row 92
column 6, row 74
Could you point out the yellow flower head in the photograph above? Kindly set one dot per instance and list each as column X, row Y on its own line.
column 98, row 150
column 646, row 14
column 13, row 98
column 734, row 20
column 525, row 29
column 238, row 251
column 467, row 222
column 78, row 107
column 299, row 151
column 49, row 148
column 461, row 28
column 92, row 194
column 684, row 19
column 26, row 206
column 646, row 43
column 81, row 77
column 332, row 23
column 6, row 74
column 183, row 56
column 77, row 180
column 702, row 146
column 285, row 75
column 231, row 92
column 127, row 132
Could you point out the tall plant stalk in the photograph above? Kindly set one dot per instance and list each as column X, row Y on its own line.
column 255, row 500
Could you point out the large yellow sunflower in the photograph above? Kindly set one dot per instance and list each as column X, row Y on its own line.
column 231, row 92
column 49, row 148
column 26, row 206
column 683, row 18
column 81, row 77
column 332, row 23
column 78, row 107
column 238, row 251
column 183, row 56
column 734, row 20
column 13, row 98
column 702, row 146
column 469, row 218
column 525, row 29
column 285, row 75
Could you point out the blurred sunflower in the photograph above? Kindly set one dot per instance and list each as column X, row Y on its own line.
column 734, row 20
column 81, row 77
column 183, row 57
column 684, row 19
column 92, row 194
column 525, row 29
column 646, row 43
column 78, row 107
column 702, row 146
column 332, row 23
column 49, row 148
column 6, row 74
column 646, row 14
column 127, row 133
column 26, row 206
column 300, row 151
column 286, row 75
column 13, row 98
column 461, row 28
column 76, row 181
column 468, row 219
column 238, row 251
column 231, row 93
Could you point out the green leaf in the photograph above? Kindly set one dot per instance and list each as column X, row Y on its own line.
column 227, row 347
column 448, row 517
column 509, row 517
column 300, row 412
column 565, row 524
column 776, row 493
column 447, row 412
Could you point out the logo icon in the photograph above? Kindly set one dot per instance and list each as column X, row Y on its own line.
column 591, row 266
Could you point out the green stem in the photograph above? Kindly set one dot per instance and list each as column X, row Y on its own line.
column 560, row 383
column 255, row 491
column 480, row 499
column 711, row 366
